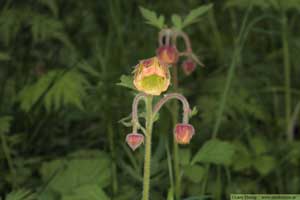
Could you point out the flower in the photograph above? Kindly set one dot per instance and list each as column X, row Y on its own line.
column 167, row 54
column 151, row 76
column 183, row 133
column 188, row 66
column 134, row 140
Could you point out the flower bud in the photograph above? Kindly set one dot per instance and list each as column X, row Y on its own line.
column 188, row 66
column 183, row 133
column 151, row 76
column 167, row 54
column 134, row 140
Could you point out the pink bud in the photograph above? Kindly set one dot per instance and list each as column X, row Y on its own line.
column 183, row 133
column 134, row 140
column 188, row 66
column 167, row 54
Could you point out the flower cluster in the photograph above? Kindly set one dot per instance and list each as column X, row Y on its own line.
column 183, row 132
column 168, row 53
column 152, row 77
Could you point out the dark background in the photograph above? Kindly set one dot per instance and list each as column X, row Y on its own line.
column 60, row 106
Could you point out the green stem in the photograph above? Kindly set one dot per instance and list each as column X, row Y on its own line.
column 113, row 155
column 287, row 74
column 6, row 152
column 147, row 162
column 176, row 155
column 217, row 36
column 175, row 145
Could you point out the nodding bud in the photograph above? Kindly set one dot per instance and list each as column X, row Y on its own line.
column 134, row 140
column 167, row 54
column 188, row 66
column 152, row 76
column 183, row 133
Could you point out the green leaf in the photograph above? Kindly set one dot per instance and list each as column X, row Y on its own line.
column 242, row 158
column 264, row 164
column 192, row 17
column 4, row 56
column 84, row 66
column 82, row 167
column 177, row 21
column 55, row 90
column 5, row 124
column 170, row 194
column 152, row 18
column 52, row 5
column 86, row 192
column 185, row 156
column 216, row 152
column 126, row 81
column 194, row 173
column 194, row 112
column 20, row 194
column 259, row 145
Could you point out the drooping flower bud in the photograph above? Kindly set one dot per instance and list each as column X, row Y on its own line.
column 188, row 66
column 134, row 140
column 151, row 76
column 183, row 133
column 167, row 54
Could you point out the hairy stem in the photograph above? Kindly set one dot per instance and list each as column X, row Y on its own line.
column 166, row 98
column 177, row 182
column 147, row 162
column 134, row 114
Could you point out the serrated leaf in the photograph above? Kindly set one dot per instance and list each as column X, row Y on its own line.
column 192, row 17
column 152, row 18
column 216, row 152
column 177, row 21
column 126, row 81
column 55, row 90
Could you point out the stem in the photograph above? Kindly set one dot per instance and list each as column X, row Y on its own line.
column 287, row 74
column 134, row 114
column 293, row 121
column 177, row 183
column 113, row 155
column 185, row 104
column 164, row 34
column 6, row 152
column 217, row 36
column 176, row 155
column 147, row 162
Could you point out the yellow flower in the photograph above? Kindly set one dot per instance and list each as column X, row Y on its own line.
column 151, row 76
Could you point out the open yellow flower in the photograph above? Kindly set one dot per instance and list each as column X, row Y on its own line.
column 151, row 76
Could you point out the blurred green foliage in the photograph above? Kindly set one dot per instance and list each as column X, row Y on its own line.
column 60, row 103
